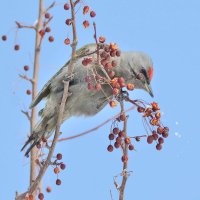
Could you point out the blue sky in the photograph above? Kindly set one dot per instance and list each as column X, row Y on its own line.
column 169, row 31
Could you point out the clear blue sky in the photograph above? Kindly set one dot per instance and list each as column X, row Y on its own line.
column 169, row 31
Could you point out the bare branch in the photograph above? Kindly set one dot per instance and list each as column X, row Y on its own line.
column 19, row 25
column 50, row 7
column 95, row 128
column 27, row 114
column 26, row 78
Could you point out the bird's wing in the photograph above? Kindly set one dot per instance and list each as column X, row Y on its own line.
column 47, row 87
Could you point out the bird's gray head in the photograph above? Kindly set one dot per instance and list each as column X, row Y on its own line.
column 140, row 66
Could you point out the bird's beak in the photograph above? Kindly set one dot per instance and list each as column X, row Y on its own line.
column 148, row 89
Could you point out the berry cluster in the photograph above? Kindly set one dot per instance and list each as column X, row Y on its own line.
column 152, row 116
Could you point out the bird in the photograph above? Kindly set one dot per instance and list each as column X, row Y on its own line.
column 134, row 67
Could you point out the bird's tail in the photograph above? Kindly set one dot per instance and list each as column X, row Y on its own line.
column 38, row 133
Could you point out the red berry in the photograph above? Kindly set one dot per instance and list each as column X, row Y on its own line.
column 41, row 196
column 127, row 140
column 86, row 9
column 165, row 134
column 111, row 136
column 47, row 15
column 86, row 24
column 108, row 65
column 118, row 53
column 90, row 86
column 48, row 189
column 121, row 80
column 115, row 91
column 42, row 32
column 110, row 148
column 117, row 145
column 159, row 147
column 115, row 130
column 122, row 133
column 68, row 22
column 92, row 14
column 125, row 158
column 160, row 140
column 28, row 92
column 102, row 39
column 26, row 67
column 150, row 139
column 17, row 47
column 66, row 6
column 131, row 147
column 4, row 37
column 58, row 182
column 122, row 117
column 140, row 109
column 51, row 38
column 111, row 74
column 114, row 63
column 155, row 136
column 59, row 156
column 62, row 166
column 56, row 170
column 98, row 86
column 67, row 41
column 47, row 29
column 119, row 140
column 137, row 138
column 130, row 86
column 159, row 130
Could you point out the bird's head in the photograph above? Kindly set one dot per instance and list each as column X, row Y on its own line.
column 141, row 68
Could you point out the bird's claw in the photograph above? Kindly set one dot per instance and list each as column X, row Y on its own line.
column 122, row 96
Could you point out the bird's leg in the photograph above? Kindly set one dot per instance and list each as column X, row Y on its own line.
column 122, row 96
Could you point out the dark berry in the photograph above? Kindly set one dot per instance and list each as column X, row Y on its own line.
column 159, row 147
column 58, row 182
column 66, row 6
column 131, row 147
column 117, row 145
column 51, row 38
column 115, row 130
column 47, row 15
column 47, row 29
column 4, row 37
column 160, row 140
column 92, row 14
column 59, row 156
column 48, row 189
column 28, row 92
column 26, row 67
column 110, row 148
column 62, row 166
column 111, row 136
column 17, row 47
column 41, row 196
column 150, row 139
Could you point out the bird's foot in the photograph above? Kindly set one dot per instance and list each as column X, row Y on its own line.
column 122, row 96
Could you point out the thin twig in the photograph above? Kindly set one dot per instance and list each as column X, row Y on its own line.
column 19, row 25
column 49, row 7
column 26, row 78
column 95, row 128
column 27, row 114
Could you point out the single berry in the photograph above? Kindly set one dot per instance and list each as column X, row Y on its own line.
column 108, row 65
column 26, row 68
column 110, row 148
column 150, row 139
column 48, row 189
column 92, row 14
column 165, row 134
column 66, row 6
column 47, row 29
column 127, row 140
column 155, row 136
column 160, row 140
column 59, row 156
column 130, row 86
column 47, row 15
column 28, row 92
column 111, row 136
column 86, row 24
column 115, row 91
column 130, row 147
column 118, row 53
column 159, row 130
column 42, row 32
column 62, row 166
column 113, row 104
column 98, row 86
column 117, row 145
column 4, row 37
column 111, row 74
column 114, row 63
column 121, row 80
column 86, row 9
column 125, row 158
column 158, row 115
column 140, row 109
column 115, row 130
column 122, row 133
column 58, row 182
column 155, row 106
column 90, row 86
column 159, row 147
column 41, row 196
column 56, row 170
column 17, row 47
column 119, row 139
column 68, row 22
column 51, row 38
column 67, row 41
column 122, row 117
column 102, row 39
